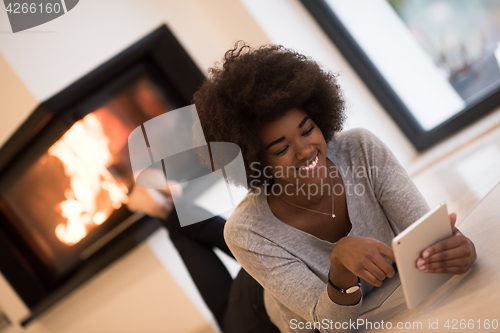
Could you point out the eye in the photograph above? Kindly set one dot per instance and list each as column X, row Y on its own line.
column 306, row 133
column 282, row 151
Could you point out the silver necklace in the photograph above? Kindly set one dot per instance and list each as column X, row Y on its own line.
column 312, row 210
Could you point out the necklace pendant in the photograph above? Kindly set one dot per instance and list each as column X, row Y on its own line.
column 333, row 216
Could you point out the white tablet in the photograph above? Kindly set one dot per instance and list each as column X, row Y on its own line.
column 408, row 246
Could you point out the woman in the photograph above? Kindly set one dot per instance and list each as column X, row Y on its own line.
column 323, row 204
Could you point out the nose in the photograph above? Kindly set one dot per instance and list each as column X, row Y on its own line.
column 304, row 151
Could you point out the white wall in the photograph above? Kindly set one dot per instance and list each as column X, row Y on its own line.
column 15, row 101
column 49, row 57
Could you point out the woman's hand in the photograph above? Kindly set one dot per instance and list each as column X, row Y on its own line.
column 453, row 255
column 364, row 257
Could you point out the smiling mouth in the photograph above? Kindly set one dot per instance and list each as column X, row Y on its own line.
column 312, row 165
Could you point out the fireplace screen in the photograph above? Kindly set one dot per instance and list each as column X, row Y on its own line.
column 76, row 190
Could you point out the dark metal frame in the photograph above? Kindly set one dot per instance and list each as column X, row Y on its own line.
column 168, row 64
column 378, row 85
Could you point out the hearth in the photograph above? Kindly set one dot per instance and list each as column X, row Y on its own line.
column 65, row 174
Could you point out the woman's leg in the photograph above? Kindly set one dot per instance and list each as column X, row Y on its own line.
column 209, row 232
column 195, row 245
column 246, row 312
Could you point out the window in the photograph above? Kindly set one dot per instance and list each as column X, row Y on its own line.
column 433, row 64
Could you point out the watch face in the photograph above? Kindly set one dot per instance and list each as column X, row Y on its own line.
column 352, row 290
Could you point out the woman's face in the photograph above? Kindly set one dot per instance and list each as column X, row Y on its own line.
column 295, row 149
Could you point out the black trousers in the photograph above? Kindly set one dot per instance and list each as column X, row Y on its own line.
column 246, row 312
column 238, row 306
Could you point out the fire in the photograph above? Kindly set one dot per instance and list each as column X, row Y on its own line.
column 84, row 153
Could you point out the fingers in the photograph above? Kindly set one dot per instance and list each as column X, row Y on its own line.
column 370, row 278
column 452, row 242
column 374, row 275
column 365, row 257
column 449, row 270
column 379, row 273
column 430, row 267
column 387, row 252
column 453, row 220
column 453, row 255
column 448, row 243
column 463, row 250
column 377, row 268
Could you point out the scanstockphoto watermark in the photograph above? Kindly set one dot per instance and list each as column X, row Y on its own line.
column 309, row 190
column 357, row 324
column 359, row 175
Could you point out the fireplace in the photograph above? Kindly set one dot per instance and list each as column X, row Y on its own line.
column 65, row 174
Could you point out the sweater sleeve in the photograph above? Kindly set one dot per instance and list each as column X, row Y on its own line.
column 290, row 282
column 396, row 193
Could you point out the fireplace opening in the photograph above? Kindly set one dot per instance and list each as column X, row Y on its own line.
column 63, row 201
column 65, row 174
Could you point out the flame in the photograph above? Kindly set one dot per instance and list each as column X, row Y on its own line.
column 84, row 153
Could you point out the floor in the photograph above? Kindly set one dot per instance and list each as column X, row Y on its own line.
column 462, row 178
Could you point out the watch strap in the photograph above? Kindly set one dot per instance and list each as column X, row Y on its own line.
column 349, row 290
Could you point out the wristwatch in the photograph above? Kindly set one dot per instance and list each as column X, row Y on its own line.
column 349, row 290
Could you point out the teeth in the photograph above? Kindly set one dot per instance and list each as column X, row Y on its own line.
column 312, row 165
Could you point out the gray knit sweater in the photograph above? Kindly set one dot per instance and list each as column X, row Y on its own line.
column 292, row 265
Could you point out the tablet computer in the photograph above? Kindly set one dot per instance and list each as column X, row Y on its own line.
column 408, row 246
